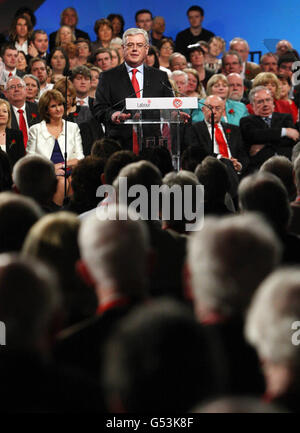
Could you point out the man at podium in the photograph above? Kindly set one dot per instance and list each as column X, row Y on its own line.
column 131, row 79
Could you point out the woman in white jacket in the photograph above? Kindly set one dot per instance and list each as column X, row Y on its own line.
column 47, row 138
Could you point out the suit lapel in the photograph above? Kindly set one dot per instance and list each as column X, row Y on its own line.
column 14, row 122
column 205, row 137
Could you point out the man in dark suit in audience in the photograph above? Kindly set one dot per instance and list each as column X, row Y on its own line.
column 23, row 114
column 228, row 143
column 116, row 266
column 266, row 133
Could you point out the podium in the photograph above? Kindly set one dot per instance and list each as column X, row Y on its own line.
column 156, row 122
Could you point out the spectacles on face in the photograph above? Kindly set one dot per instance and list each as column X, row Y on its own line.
column 13, row 87
column 263, row 101
column 131, row 45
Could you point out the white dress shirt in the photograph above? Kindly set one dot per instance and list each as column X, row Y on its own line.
column 216, row 146
column 139, row 76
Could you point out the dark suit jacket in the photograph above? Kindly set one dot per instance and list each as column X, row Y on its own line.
column 32, row 115
column 198, row 135
column 14, row 145
column 114, row 86
column 255, row 131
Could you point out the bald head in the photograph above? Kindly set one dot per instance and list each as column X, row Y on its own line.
column 218, row 106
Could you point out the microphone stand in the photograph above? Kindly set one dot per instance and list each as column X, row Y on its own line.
column 65, row 153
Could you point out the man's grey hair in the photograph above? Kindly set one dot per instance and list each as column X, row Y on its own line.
column 116, row 41
column 15, row 77
column 274, row 308
column 295, row 152
column 135, row 31
column 296, row 169
column 178, row 73
column 115, row 250
column 264, row 56
column 255, row 90
column 174, row 55
column 228, row 259
column 234, row 40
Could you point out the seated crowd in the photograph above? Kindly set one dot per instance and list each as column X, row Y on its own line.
column 136, row 313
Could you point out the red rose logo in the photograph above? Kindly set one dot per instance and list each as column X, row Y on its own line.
column 75, row 114
column 13, row 141
column 228, row 131
column 177, row 103
column 33, row 115
column 231, row 111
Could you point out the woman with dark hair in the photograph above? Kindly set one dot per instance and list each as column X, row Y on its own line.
column 20, row 33
column 166, row 48
column 58, row 61
column 27, row 12
column 285, row 88
column 104, row 32
column 196, row 57
column 22, row 62
column 47, row 138
column 152, row 57
column 118, row 23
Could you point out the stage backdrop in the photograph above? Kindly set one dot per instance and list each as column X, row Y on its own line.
column 262, row 23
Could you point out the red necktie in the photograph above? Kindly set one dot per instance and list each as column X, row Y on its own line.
column 136, row 87
column 223, row 149
column 10, row 75
column 23, row 127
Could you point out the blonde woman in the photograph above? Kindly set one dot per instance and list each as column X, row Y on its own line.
column 11, row 140
column 218, row 85
column 272, row 83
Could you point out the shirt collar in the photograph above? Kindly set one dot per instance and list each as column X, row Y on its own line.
column 139, row 68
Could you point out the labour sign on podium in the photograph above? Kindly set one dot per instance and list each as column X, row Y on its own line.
column 161, row 103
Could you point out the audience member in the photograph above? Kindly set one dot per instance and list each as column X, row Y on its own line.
column 11, row 140
column 35, row 177
column 282, row 167
column 166, row 48
column 103, row 59
column 118, row 23
column 38, row 68
column 54, row 239
column 222, row 292
column 271, row 329
column 23, row 114
column 114, row 257
column 265, row 193
column 158, row 29
column 216, row 46
column 64, row 36
column 104, row 32
column 266, row 132
column 22, row 62
column 68, row 17
column 20, row 33
column 41, row 43
column 195, row 32
column 234, row 111
column 10, row 58
column 250, row 69
column 268, row 63
column 176, row 380
column 17, row 215
column 177, row 61
column 32, row 88
column 59, row 62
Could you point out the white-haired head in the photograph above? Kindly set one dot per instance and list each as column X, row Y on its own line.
column 228, row 259
column 115, row 250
